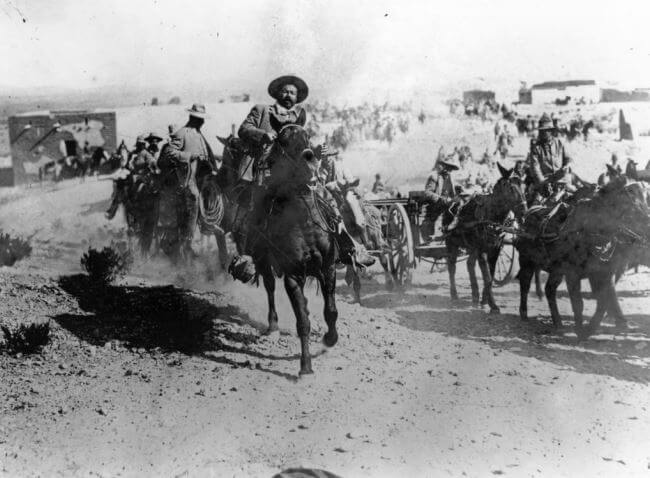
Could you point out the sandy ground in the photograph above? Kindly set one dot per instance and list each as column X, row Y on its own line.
column 166, row 374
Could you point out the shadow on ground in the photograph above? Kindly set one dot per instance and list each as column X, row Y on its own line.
column 166, row 318
column 622, row 356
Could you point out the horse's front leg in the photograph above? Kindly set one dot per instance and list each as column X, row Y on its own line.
column 599, row 289
column 552, row 283
column 328, row 286
column 487, row 283
column 294, row 286
column 452, row 255
column 613, row 306
column 471, row 270
column 269, row 285
column 526, row 272
column 575, row 295
column 538, row 284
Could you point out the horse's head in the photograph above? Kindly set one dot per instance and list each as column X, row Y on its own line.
column 293, row 161
column 509, row 192
column 627, row 203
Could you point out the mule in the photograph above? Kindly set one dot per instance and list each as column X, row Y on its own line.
column 478, row 232
column 594, row 239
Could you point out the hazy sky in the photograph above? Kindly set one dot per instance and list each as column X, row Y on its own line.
column 343, row 47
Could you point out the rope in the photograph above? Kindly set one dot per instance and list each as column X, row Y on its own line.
column 211, row 208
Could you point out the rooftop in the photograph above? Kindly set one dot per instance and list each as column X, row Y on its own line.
column 52, row 113
column 551, row 85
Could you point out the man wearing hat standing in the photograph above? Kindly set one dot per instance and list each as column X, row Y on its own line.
column 440, row 193
column 548, row 158
column 187, row 155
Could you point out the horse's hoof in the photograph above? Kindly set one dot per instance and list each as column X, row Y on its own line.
column 454, row 297
column 271, row 330
column 390, row 286
column 306, row 371
column 495, row 311
column 475, row 301
column 582, row 334
column 330, row 339
column 621, row 327
column 524, row 318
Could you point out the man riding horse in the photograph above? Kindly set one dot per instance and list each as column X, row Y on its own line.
column 549, row 161
column 186, row 159
column 259, row 132
column 141, row 168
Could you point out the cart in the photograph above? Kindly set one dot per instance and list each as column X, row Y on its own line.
column 401, row 228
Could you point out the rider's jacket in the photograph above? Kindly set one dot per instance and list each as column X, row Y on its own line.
column 176, row 156
column 264, row 119
column 439, row 188
column 547, row 158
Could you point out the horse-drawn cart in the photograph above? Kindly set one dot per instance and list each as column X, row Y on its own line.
column 402, row 229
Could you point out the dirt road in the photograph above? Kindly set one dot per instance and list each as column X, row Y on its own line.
column 166, row 374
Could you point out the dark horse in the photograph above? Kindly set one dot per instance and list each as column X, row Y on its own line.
column 479, row 233
column 292, row 234
column 141, row 204
column 594, row 239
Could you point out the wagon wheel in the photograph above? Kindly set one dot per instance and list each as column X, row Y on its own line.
column 401, row 255
column 504, row 270
column 505, row 267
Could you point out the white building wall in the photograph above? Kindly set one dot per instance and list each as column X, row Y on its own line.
column 591, row 94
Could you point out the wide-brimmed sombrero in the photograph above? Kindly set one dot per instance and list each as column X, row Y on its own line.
column 153, row 137
column 450, row 162
column 545, row 122
column 198, row 110
column 276, row 86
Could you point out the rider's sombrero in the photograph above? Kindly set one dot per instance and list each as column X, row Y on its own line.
column 198, row 110
column 276, row 86
column 450, row 162
column 153, row 137
column 545, row 122
column 141, row 139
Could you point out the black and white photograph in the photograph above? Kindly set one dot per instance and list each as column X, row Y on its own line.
column 324, row 238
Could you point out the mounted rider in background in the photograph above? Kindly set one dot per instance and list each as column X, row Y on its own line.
column 139, row 170
column 550, row 165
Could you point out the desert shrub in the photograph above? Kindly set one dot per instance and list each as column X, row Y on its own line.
column 12, row 249
column 104, row 266
column 26, row 339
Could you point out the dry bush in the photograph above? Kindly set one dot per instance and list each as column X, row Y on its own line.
column 26, row 339
column 105, row 266
column 12, row 249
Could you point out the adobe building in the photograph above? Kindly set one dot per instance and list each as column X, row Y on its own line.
column 40, row 139
column 586, row 91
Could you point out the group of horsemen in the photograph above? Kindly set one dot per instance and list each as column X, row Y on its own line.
column 176, row 169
